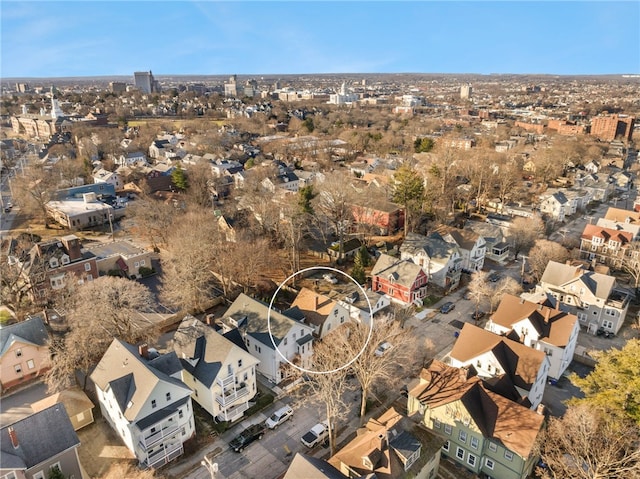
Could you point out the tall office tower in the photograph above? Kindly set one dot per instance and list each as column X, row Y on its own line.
column 144, row 81
column 609, row 127
column 466, row 91
column 231, row 87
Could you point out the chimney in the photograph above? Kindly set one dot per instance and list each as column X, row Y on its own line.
column 72, row 245
column 208, row 319
column 316, row 302
column 13, row 437
column 547, row 314
column 143, row 350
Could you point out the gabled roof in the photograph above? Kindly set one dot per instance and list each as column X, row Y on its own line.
column 521, row 363
column 606, row 234
column 433, row 245
column 309, row 467
column 314, row 307
column 74, row 400
column 464, row 238
column 498, row 418
column 622, row 216
column 41, row 436
column 403, row 272
column 552, row 325
column 559, row 274
column 131, row 377
column 30, row 331
column 203, row 351
column 254, row 313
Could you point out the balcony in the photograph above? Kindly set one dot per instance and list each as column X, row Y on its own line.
column 164, row 455
column 230, row 396
column 227, row 382
column 233, row 413
column 163, row 430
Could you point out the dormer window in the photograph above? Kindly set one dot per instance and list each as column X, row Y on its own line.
column 65, row 259
column 596, row 240
column 613, row 244
column 53, row 262
column 153, row 404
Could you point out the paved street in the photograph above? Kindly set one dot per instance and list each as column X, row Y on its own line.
column 18, row 404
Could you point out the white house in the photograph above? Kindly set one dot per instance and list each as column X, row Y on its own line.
column 318, row 311
column 549, row 330
column 518, row 371
column 441, row 260
column 145, row 402
column 134, row 158
column 555, row 205
column 263, row 331
column 111, row 177
column 497, row 247
column 594, row 298
column 472, row 246
column 220, row 371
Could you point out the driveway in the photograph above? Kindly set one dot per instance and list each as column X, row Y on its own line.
column 18, row 404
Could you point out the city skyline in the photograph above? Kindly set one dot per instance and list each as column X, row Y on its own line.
column 70, row 38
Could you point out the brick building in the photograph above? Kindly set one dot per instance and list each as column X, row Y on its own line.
column 610, row 127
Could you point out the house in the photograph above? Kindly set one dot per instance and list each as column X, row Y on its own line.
column 622, row 180
column 401, row 280
column 555, row 205
column 24, row 352
column 145, row 402
column 471, row 245
column 497, row 247
column 275, row 339
column 441, row 260
column 349, row 248
column 309, row 467
column 381, row 215
column 598, row 185
column 484, row 432
column 33, row 446
column 158, row 147
column 221, row 372
column 552, row 331
column 508, row 367
column 361, row 308
column 390, row 446
column 134, row 158
column 286, row 181
column 121, row 258
column 594, row 298
column 52, row 263
column 318, row 311
column 621, row 219
column 110, row 177
column 76, row 403
column 605, row 245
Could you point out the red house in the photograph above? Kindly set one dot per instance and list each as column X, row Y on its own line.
column 384, row 216
column 402, row 280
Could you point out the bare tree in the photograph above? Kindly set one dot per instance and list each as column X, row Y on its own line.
column 334, row 204
column 154, row 219
column 506, row 285
column 524, row 232
column 544, row 251
column 34, row 190
column 372, row 366
column 588, row 443
column 100, row 310
column 479, row 288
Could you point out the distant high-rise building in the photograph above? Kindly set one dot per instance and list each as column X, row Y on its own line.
column 117, row 87
column 22, row 87
column 609, row 127
column 466, row 91
column 145, row 82
column 231, row 87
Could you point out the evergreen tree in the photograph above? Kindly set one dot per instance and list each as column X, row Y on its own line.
column 55, row 473
column 363, row 256
column 179, row 179
column 358, row 273
column 408, row 191
column 305, row 195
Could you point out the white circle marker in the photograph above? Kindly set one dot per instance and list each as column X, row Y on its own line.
column 325, row 268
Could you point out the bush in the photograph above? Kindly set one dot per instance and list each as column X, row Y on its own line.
column 262, row 402
column 144, row 271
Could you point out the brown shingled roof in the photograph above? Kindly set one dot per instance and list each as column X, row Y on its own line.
column 607, row 234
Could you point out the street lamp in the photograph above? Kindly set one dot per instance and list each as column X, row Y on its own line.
column 212, row 467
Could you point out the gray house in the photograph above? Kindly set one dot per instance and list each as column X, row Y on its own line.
column 32, row 446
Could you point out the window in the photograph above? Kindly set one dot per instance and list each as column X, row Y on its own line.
column 508, row 455
column 436, row 423
column 18, row 368
column 239, row 363
column 87, row 266
column 459, row 453
column 445, row 446
column 447, row 428
column 609, row 312
column 11, row 475
column 474, row 442
column 184, row 431
column 39, row 475
column 471, row 460
column 18, row 353
column 493, row 447
column 489, row 463
column 153, row 403
column 136, row 264
column 89, row 277
column 53, row 262
column 65, row 259
column 142, row 262
column 462, row 435
column 607, row 324
column 285, row 341
column 180, row 414
column 30, row 364
column 168, row 395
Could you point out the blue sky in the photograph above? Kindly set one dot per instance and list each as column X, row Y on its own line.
column 93, row 38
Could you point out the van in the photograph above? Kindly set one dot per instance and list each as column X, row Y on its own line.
column 278, row 417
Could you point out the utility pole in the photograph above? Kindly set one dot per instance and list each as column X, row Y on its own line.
column 524, row 258
column 212, row 467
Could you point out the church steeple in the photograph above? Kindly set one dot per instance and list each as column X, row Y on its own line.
column 56, row 111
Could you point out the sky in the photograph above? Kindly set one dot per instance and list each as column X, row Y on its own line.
column 94, row 38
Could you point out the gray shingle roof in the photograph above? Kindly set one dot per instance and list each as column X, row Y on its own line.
column 31, row 330
column 41, row 436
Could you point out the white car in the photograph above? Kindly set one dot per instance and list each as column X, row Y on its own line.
column 383, row 348
column 330, row 278
column 281, row 415
column 316, row 435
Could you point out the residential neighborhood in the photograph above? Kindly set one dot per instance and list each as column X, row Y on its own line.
column 198, row 272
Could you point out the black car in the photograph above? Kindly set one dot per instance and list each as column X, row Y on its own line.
column 246, row 437
column 447, row 307
column 494, row 277
column 478, row 315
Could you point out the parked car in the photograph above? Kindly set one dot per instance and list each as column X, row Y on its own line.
column 477, row 315
column 447, row 307
column 330, row 278
column 383, row 348
column 316, row 435
column 246, row 437
column 494, row 277
column 278, row 417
